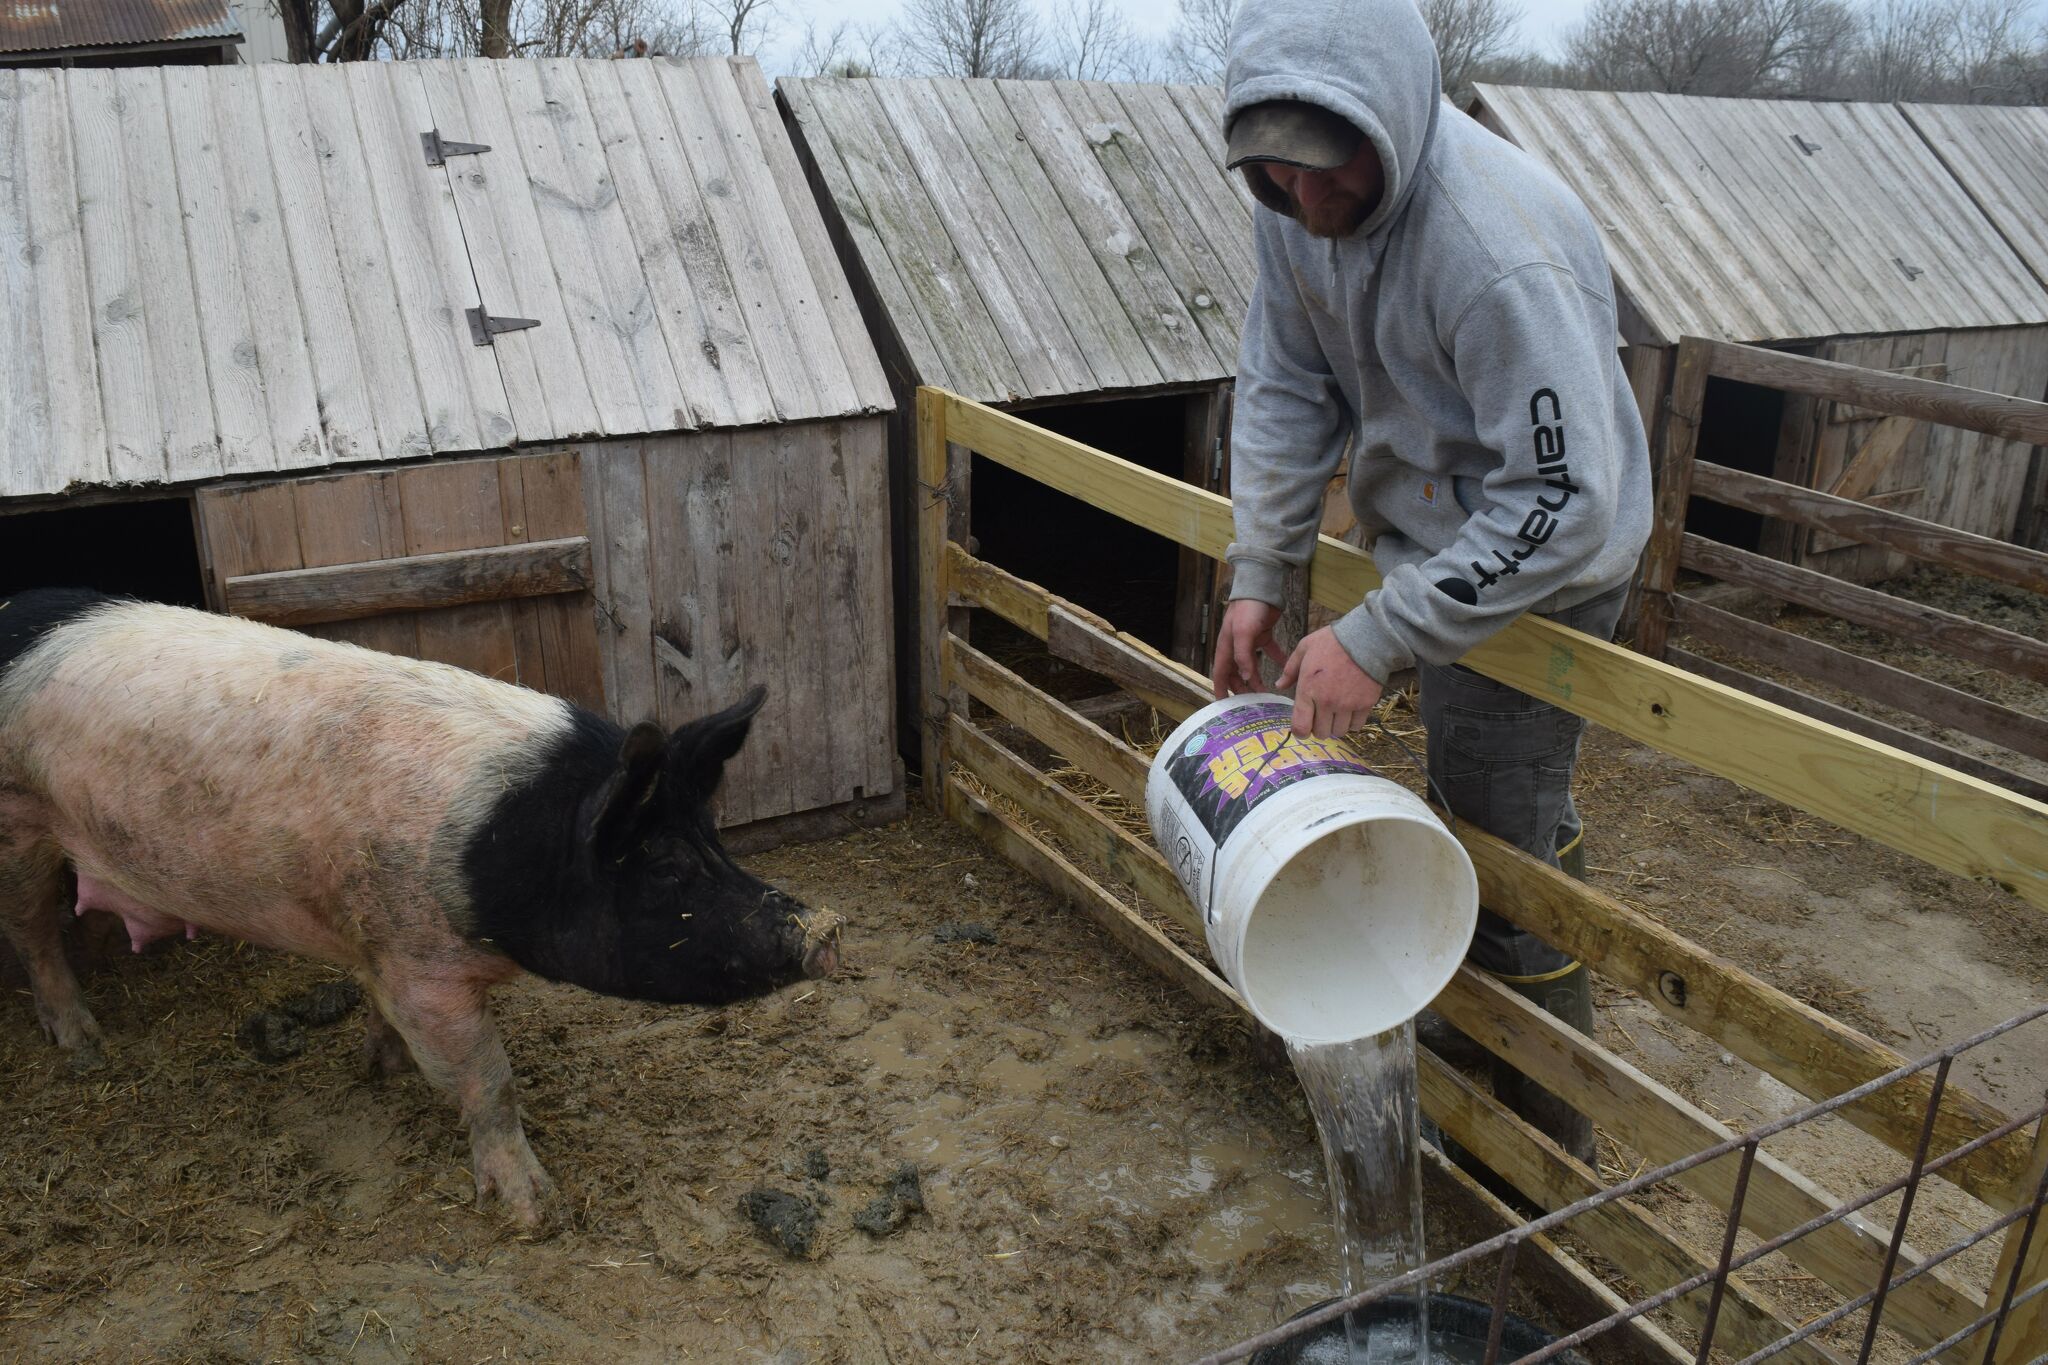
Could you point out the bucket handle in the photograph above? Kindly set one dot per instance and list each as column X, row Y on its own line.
column 1428, row 782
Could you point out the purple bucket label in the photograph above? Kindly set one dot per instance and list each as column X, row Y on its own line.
column 1243, row 755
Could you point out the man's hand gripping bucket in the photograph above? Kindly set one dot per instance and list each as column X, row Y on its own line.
column 1334, row 900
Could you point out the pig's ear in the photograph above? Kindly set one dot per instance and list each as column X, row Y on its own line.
column 699, row 751
column 626, row 802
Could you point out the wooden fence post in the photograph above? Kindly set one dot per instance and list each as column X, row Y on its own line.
column 942, row 515
column 1674, row 491
column 2024, row 1333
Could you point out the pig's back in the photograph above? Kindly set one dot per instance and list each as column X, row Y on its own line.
column 215, row 768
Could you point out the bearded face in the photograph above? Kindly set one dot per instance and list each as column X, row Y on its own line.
column 1333, row 203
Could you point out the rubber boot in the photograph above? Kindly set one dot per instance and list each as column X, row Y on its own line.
column 1567, row 994
column 1572, row 857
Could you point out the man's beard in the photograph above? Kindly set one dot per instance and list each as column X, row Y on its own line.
column 1338, row 215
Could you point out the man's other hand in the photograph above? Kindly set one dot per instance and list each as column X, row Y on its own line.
column 1247, row 633
column 1332, row 695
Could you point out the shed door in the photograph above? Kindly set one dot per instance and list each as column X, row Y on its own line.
column 484, row 564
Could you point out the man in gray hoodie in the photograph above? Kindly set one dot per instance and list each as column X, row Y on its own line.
column 1438, row 302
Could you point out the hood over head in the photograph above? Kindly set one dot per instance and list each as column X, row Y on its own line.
column 1370, row 62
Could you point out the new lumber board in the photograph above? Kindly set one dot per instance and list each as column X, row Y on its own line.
column 1806, row 1049
column 1663, row 1126
column 1620, row 1230
column 1953, row 821
column 1025, row 851
column 1855, row 721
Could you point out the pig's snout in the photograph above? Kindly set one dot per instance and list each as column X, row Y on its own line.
column 819, row 951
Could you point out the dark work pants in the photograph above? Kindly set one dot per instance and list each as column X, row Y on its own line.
column 1504, row 761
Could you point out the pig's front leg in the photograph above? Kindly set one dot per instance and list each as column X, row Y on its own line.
column 446, row 1024
column 384, row 1049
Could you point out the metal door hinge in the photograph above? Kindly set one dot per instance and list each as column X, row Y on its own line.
column 438, row 149
column 483, row 327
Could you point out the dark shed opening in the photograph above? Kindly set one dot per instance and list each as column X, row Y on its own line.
column 1740, row 428
column 143, row 549
column 1090, row 557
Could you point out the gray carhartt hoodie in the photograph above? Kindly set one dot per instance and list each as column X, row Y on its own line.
column 1462, row 341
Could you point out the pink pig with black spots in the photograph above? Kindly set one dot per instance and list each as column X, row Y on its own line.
column 434, row 831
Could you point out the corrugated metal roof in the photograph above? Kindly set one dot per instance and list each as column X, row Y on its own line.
column 51, row 25
column 1033, row 239
column 1771, row 220
column 2001, row 157
column 243, row 270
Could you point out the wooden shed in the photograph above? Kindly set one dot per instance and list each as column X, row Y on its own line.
column 1070, row 250
column 1832, row 230
column 124, row 33
column 544, row 368
column 2000, row 157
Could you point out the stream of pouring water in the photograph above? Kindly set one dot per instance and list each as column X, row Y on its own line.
column 1362, row 1094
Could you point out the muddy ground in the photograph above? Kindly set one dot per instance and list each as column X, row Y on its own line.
column 1104, row 1174
column 1107, row 1173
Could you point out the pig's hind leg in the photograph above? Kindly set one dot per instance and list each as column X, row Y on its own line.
column 447, row 1027
column 32, row 904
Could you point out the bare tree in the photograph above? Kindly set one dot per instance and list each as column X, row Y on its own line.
column 1902, row 50
column 496, row 28
column 971, row 38
column 845, row 49
column 345, row 30
column 746, row 23
column 361, row 30
column 1701, row 47
column 1470, row 35
column 1093, row 41
column 1198, row 49
column 1991, row 50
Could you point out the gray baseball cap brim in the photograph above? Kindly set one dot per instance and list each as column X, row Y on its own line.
column 1300, row 134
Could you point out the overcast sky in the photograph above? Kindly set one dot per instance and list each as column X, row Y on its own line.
column 1543, row 21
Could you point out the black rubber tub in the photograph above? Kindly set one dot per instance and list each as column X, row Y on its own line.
column 1457, row 1335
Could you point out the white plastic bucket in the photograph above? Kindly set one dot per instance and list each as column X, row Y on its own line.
column 1335, row 902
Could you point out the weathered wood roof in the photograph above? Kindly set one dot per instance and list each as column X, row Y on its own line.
column 1032, row 239
column 242, row 270
column 1771, row 220
column 50, row 27
column 2001, row 158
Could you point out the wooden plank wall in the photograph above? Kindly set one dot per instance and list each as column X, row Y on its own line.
column 544, row 643
column 1037, row 239
column 1761, row 220
column 2000, row 155
column 251, row 271
column 1956, row 478
column 726, row 559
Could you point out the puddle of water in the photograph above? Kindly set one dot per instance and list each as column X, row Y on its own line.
column 904, row 1044
column 1015, row 1076
column 1259, row 1208
column 934, row 1141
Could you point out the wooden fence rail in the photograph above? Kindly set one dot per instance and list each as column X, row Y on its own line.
column 1901, row 798
column 1956, row 822
column 1682, row 476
